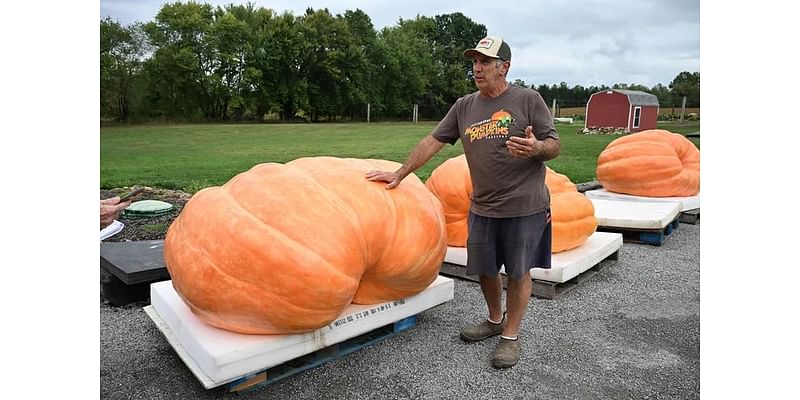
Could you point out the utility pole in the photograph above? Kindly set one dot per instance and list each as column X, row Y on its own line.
column 683, row 109
column 367, row 112
column 554, row 108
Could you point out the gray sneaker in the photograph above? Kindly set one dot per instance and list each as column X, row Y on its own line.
column 483, row 330
column 506, row 354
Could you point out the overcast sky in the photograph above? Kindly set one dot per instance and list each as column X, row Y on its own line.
column 586, row 42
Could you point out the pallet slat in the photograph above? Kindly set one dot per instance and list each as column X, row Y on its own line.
column 309, row 361
column 690, row 216
column 655, row 237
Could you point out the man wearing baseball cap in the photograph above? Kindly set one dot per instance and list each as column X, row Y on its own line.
column 507, row 133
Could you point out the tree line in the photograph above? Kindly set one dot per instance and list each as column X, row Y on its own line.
column 685, row 84
column 195, row 62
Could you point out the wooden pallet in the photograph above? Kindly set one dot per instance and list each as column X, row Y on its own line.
column 551, row 290
column 690, row 216
column 539, row 288
column 312, row 360
column 655, row 237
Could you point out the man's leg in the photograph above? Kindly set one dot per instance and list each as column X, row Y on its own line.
column 492, row 288
column 506, row 354
column 517, row 298
column 536, row 233
column 481, row 261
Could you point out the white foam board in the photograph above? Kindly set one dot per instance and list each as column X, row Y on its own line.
column 687, row 203
column 217, row 356
column 635, row 214
column 565, row 265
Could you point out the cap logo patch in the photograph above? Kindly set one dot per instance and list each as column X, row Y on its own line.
column 485, row 43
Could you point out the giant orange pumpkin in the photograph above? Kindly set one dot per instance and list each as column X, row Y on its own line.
column 451, row 183
column 652, row 163
column 285, row 248
column 572, row 213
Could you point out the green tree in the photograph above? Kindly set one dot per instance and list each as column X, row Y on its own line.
column 365, row 40
column 188, row 72
column 638, row 87
column 686, row 84
column 122, row 52
column 663, row 94
column 448, row 37
column 230, row 37
column 334, row 65
column 277, row 64
column 408, row 67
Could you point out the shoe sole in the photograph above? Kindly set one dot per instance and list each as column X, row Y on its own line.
column 469, row 339
column 503, row 366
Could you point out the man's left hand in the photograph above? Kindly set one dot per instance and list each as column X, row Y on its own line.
column 526, row 147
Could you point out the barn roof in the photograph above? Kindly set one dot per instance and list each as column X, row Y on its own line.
column 638, row 98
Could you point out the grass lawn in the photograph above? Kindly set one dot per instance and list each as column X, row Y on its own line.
column 191, row 157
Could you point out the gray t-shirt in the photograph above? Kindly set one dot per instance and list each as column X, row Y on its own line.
column 503, row 186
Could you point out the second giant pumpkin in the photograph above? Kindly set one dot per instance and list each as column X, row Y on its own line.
column 572, row 213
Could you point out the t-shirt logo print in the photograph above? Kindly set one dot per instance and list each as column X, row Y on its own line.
column 504, row 119
column 492, row 128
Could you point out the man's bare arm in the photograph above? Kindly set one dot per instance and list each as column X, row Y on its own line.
column 422, row 152
column 549, row 149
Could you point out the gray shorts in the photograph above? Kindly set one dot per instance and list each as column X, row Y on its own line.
column 519, row 243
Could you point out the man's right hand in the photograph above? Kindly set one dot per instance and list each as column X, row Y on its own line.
column 393, row 178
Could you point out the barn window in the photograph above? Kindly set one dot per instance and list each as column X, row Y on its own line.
column 637, row 113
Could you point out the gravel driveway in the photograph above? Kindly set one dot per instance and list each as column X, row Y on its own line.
column 631, row 332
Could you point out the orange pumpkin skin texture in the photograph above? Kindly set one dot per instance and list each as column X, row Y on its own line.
column 285, row 248
column 572, row 213
column 652, row 163
column 451, row 184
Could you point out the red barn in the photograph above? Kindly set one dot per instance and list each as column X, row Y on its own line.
column 628, row 109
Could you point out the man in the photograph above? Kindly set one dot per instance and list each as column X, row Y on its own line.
column 507, row 133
